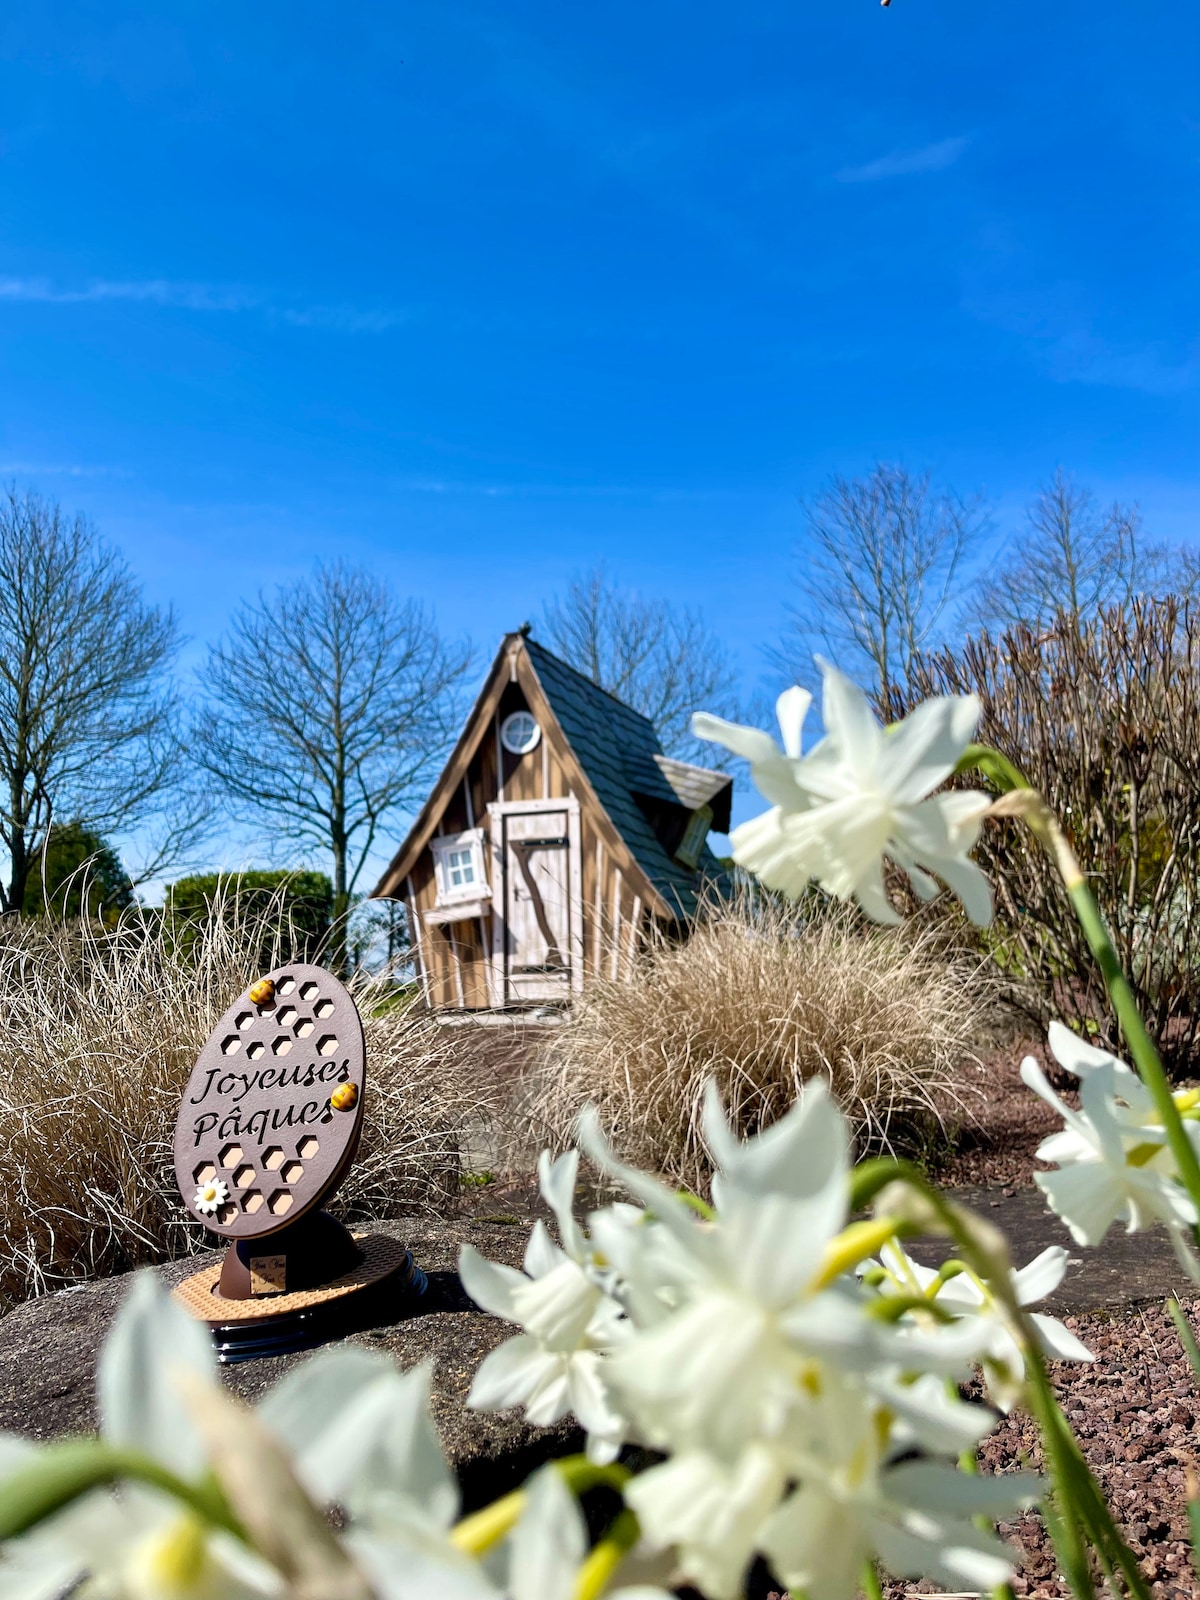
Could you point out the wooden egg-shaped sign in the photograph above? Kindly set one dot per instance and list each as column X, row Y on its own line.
column 271, row 1116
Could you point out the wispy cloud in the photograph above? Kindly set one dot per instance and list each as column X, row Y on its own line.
column 58, row 469
column 1060, row 327
column 906, row 163
column 186, row 296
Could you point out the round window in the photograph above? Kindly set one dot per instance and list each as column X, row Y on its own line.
column 519, row 733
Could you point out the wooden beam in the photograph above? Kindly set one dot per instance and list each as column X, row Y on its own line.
column 576, row 779
column 414, row 928
column 575, row 870
column 457, row 959
column 633, row 933
column 598, row 933
column 469, row 741
column 616, row 925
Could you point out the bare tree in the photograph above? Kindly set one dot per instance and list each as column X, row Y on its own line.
column 1072, row 557
column 330, row 704
column 882, row 563
column 88, row 717
column 659, row 658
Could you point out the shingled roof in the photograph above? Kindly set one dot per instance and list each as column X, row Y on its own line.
column 622, row 758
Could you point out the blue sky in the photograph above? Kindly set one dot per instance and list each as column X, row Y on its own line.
column 478, row 294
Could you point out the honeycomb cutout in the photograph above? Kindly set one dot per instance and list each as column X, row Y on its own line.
column 269, row 1184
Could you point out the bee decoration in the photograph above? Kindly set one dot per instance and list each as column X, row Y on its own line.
column 262, row 993
column 344, row 1097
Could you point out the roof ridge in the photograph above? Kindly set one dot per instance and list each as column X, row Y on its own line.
column 590, row 683
column 694, row 766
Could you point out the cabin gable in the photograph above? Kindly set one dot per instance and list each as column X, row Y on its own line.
column 545, row 850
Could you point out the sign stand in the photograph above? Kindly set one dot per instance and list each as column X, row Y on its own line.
column 268, row 1127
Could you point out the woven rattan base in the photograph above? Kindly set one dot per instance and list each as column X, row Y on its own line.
column 377, row 1290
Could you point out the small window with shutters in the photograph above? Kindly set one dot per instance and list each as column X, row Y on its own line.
column 689, row 847
column 458, row 865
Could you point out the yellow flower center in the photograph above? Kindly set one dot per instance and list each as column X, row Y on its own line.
column 210, row 1191
column 173, row 1563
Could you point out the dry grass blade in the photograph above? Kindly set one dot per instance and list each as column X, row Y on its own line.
column 763, row 999
column 101, row 1028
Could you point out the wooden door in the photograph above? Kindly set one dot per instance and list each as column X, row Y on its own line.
column 539, row 930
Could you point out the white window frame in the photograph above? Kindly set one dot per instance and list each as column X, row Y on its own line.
column 520, row 750
column 691, row 846
column 449, row 894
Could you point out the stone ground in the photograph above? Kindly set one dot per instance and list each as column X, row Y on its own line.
column 49, row 1348
column 1136, row 1410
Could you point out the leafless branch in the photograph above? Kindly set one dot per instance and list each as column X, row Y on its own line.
column 661, row 659
column 881, row 564
column 88, row 716
column 330, row 704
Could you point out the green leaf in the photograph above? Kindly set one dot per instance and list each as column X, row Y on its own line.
column 1187, row 1337
column 59, row 1474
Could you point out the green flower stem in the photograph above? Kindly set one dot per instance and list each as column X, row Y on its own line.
column 998, row 769
column 604, row 1558
column 61, row 1473
column 482, row 1529
column 872, row 1587
column 1019, row 799
column 1141, row 1045
column 1080, row 1505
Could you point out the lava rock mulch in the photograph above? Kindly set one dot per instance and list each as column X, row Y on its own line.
column 1136, row 1413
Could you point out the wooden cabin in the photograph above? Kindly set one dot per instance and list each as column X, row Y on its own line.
column 557, row 834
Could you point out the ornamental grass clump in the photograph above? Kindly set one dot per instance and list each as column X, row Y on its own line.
column 791, row 1380
column 764, row 997
column 101, row 1027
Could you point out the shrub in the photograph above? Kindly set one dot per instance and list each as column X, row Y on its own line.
column 101, row 1029
column 763, row 997
column 1104, row 719
column 76, row 866
column 293, row 910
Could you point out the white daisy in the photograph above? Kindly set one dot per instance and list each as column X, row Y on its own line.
column 210, row 1197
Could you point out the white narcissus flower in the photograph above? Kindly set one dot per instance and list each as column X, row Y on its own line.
column 1114, row 1161
column 854, row 1505
column 549, row 1543
column 210, row 1197
column 967, row 1298
column 145, row 1545
column 726, row 1365
column 569, row 1321
column 864, row 792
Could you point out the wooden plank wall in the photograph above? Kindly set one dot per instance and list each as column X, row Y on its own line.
column 455, row 954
